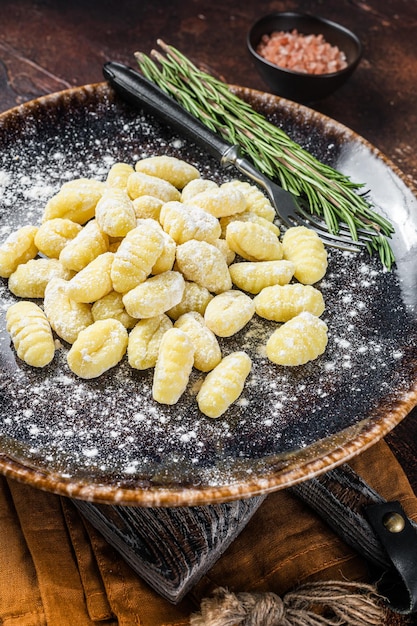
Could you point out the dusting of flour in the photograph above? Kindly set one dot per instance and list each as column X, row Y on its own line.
column 110, row 429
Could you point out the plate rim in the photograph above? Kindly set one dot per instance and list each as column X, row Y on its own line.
column 370, row 431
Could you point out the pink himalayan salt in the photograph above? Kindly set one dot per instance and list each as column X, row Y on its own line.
column 310, row 54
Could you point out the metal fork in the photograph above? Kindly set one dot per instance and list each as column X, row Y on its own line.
column 141, row 92
column 289, row 208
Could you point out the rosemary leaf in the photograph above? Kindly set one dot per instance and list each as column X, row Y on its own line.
column 324, row 191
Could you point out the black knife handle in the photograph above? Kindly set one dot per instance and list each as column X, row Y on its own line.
column 141, row 92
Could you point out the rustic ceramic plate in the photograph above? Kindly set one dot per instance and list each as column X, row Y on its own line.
column 105, row 439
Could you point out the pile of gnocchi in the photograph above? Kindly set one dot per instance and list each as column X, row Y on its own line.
column 157, row 263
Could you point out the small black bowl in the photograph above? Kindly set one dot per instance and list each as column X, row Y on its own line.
column 298, row 86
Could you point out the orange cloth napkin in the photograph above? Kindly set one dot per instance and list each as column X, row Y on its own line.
column 57, row 570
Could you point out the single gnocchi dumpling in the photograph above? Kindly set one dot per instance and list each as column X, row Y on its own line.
column 140, row 184
column 111, row 306
column 118, row 174
column 306, row 250
column 54, row 234
column 229, row 312
column 85, row 247
column 248, row 216
column 256, row 201
column 282, row 302
column 115, row 213
column 303, row 338
column 155, row 296
column 30, row 333
column 255, row 276
column 194, row 298
column 147, row 207
column 145, row 339
column 66, row 317
column 136, row 255
column 173, row 366
column 18, row 248
column 76, row 200
column 93, row 281
column 253, row 242
column 223, row 385
column 98, row 348
column 220, row 202
column 30, row 279
column 184, row 222
column 207, row 352
column 174, row 170
column 203, row 263
column 198, row 185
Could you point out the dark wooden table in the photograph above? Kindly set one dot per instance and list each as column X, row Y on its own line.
column 49, row 45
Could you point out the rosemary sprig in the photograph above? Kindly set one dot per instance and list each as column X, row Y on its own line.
column 327, row 192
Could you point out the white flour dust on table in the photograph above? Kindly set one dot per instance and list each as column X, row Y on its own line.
column 110, row 429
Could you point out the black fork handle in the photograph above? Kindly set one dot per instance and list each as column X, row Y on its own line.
column 140, row 92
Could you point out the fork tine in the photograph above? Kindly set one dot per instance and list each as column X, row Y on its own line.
column 341, row 241
column 338, row 241
column 320, row 225
column 291, row 214
column 288, row 207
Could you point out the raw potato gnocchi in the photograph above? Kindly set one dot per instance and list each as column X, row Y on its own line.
column 166, row 259
column 256, row 202
column 223, row 385
column 76, row 201
column 31, row 333
column 253, row 242
column 195, row 298
column 93, row 281
column 54, row 234
column 196, row 186
column 85, row 247
column 183, row 222
column 30, row 279
column 147, row 207
column 136, row 255
column 18, row 248
column 67, row 317
column 229, row 312
column 115, row 213
column 303, row 338
column 145, row 339
column 140, row 184
column 155, row 295
column 249, row 216
column 118, row 174
column 253, row 277
column 306, row 250
column 203, row 263
column 220, row 202
column 98, row 348
column 173, row 366
column 282, row 302
column 156, row 263
column 176, row 171
column 228, row 254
